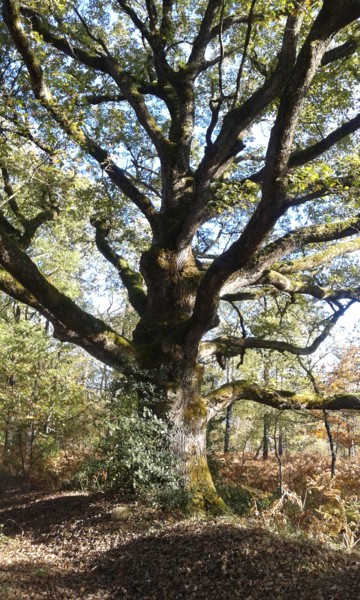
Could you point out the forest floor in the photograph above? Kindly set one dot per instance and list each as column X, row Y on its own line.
column 72, row 545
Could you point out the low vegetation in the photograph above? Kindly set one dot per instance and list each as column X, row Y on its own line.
column 100, row 545
column 312, row 504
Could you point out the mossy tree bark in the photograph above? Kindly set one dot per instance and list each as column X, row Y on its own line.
column 189, row 418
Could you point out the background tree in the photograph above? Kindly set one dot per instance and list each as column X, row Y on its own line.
column 50, row 408
column 221, row 138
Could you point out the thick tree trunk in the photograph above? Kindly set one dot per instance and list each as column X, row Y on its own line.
column 188, row 444
column 172, row 278
column 188, row 417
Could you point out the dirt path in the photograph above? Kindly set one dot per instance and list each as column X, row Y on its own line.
column 68, row 546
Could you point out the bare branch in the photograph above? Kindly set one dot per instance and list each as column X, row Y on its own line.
column 96, row 99
column 239, row 119
column 319, row 259
column 93, row 37
column 135, row 18
column 86, row 57
column 251, row 265
column 152, row 89
column 8, row 228
column 220, row 154
column 155, row 41
column 304, row 156
column 236, row 20
column 120, row 179
column 274, row 189
column 30, row 226
column 130, row 90
column 204, row 35
column 12, row 288
column 153, row 15
column 221, row 58
column 301, row 237
column 165, row 26
column 282, row 134
column 318, row 193
column 206, row 64
column 11, row 194
column 104, row 63
column 244, row 296
column 22, row 129
column 244, row 52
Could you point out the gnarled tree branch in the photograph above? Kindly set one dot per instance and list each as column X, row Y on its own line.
column 132, row 281
column 71, row 323
column 249, row 272
column 233, row 346
column 319, row 259
column 280, row 399
column 284, row 284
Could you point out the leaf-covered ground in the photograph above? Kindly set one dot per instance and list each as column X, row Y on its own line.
column 70, row 545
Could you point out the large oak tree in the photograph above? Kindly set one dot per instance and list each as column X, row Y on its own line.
column 230, row 128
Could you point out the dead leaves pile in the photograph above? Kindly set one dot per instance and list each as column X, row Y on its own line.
column 69, row 546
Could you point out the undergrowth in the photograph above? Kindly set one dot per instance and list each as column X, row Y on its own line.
column 311, row 503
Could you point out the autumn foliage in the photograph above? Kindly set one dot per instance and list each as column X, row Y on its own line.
column 312, row 503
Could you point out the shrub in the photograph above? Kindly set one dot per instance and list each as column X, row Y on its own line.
column 133, row 457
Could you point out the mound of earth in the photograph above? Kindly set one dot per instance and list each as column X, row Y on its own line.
column 76, row 546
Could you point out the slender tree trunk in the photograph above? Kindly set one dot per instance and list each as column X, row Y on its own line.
column 331, row 443
column 257, row 453
column 7, row 430
column 31, row 450
column 227, row 429
column 280, row 442
column 21, row 448
column 266, row 439
column 350, row 432
column 278, row 458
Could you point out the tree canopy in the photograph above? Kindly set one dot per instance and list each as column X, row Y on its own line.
column 210, row 155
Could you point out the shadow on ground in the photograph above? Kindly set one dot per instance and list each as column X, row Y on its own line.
column 28, row 510
column 189, row 560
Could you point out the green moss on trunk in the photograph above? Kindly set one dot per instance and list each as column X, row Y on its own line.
column 204, row 497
